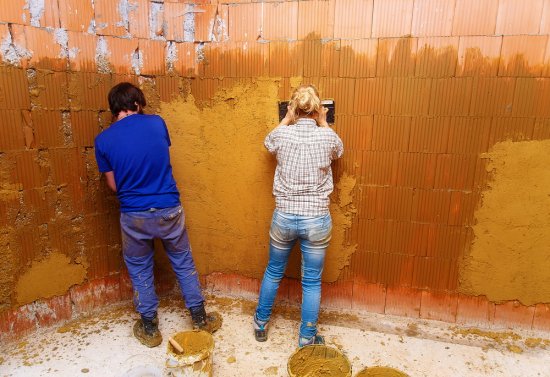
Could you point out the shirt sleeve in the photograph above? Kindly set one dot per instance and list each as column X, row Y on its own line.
column 271, row 141
column 338, row 150
column 102, row 161
column 166, row 132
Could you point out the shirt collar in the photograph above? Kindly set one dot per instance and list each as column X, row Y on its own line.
column 306, row 121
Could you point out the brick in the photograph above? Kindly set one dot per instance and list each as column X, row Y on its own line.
column 416, row 170
column 358, row 58
column 531, row 97
column 429, row 134
column 473, row 17
column 391, row 133
column 396, row 269
column 455, row 172
column 515, row 18
column 88, row 91
column 49, row 90
column 153, row 57
column 462, row 207
column 186, row 63
column 14, row 91
column 85, row 127
column 286, row 59
column 122, row 54
column 47, row 53
column 541, row 320
column 138, row 19
column 13, row 12
column 204, row 21
column 369, row 297
column 431, row 206
column 513, row 314
column 48, row 128
column 108, row 19
column 316, row 19
column 12, row 136
column 280, row 21
column 373, row 96
column 378, row 167
column 396, row 57
column 410, row 96
column 403, row 302
column 451, row 96
column 244, row 22
column 469, row 135
column 392, row 18
column 514, row 129
column 522, row 55
column 431, row 274
column 83, row 48
column 355, row 131
column 478, row 56
column 439, row 306
column 492, row 96
column 76, row 15
column 474, row 311
column 433, row 17
column 337, row 295
column 437, row 57
column 95, row 294
column 353, row 19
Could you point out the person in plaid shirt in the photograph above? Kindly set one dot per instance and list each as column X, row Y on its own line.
column 304, row 146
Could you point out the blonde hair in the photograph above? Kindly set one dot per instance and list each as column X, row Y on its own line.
column 304, row 101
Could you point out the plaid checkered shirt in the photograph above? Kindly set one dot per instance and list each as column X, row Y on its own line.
column 303, row 177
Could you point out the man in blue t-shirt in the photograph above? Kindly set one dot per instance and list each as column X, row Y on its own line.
column 133, row 154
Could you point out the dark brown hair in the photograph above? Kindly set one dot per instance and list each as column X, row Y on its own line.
column 126, row 97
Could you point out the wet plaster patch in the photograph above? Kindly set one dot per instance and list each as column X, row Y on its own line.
column 509, row 256
column 367, row 340
column 226, row 177
column 49, row 277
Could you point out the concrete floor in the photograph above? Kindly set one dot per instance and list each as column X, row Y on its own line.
column 103, row 345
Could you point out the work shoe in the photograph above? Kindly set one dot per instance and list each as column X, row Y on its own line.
column 316, row 339
column 147, row 331
column 202, row 321
column 260, row 329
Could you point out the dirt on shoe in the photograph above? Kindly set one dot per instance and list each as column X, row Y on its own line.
column 212, row 324
column 149, row 340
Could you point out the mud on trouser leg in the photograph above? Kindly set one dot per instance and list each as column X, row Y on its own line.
column 140, row 270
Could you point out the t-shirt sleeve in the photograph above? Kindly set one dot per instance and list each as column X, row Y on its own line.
column 167, row 135
column 271, row 141
column 102, row 161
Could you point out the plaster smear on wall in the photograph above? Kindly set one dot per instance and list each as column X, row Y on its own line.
column 225, row 176
column 49, row 277
column 509, row 259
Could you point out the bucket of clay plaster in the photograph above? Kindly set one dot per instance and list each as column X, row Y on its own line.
column 196, row 358
column 380, row 372
column 318, row 360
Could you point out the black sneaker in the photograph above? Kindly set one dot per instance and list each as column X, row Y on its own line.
column 147, row 331
column 316, row 339
column 260, row 329
column 202, row 321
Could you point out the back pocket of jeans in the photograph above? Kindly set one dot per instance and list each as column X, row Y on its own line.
column 172, row 214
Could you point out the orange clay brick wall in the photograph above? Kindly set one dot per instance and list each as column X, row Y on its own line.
column 422, row 89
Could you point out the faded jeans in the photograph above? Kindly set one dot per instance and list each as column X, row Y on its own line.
column 314, row 234
column 138, row 231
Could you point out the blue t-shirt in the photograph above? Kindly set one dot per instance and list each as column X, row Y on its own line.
column 136, row 150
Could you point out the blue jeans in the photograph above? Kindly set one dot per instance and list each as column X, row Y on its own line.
column 314, row 234
column 138, row 231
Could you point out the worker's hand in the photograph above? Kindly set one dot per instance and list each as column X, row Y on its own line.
column 322, row 117
column 289, row 117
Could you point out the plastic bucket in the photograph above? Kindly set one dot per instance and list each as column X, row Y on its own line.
column 196, row 358
column 318, row 360
column 380, row 372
